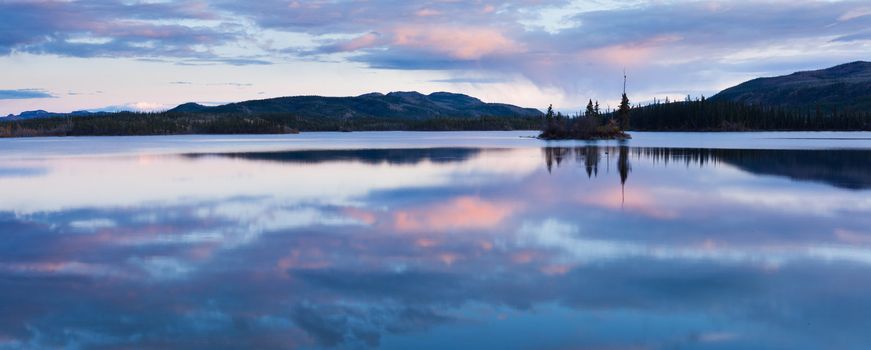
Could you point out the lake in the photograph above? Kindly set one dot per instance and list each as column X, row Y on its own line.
column 394, row 240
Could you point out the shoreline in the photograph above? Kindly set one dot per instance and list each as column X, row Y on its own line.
column 535, row 137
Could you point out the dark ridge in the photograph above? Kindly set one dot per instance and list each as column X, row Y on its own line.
column 843, row 87
column 189, row 107
column 413, row 105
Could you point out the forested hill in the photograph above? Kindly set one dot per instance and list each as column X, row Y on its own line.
column 411, row 105
column 837, row 98
column 846, row 87
column 370, row 112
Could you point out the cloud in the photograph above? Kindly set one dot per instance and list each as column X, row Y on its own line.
column 577, row 49
column 692, row 44
column 862, row 36
column 23, row 94
column 855, row 13
column 467, row 80
column 92, row 28
column 361, row 42
column 356, row 16
column 237, row 61
column 460, row 43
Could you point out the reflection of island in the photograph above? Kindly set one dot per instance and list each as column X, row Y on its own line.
column 590, row 157
column 369, row 156
column 849, row 169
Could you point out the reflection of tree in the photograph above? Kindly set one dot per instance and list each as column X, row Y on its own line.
column 589, row 156
column 591, row 160
column 850, row 169
column 623, row 164
column 623, row 168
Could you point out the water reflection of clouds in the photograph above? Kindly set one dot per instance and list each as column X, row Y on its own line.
column 567, row 238
column 119, row 181
column 267, row 254
column 462, row 213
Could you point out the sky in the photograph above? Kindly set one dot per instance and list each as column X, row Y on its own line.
column 71, row 55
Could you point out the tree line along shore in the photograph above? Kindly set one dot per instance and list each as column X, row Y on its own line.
column 697, row 114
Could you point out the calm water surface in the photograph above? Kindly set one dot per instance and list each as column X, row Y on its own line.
column 436, row 241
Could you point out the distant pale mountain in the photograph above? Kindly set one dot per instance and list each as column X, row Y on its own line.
column 843, row 87
column 392, row 105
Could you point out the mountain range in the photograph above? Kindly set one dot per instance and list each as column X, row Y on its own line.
column 413, row 105
column 843, row 87
column 44, row 114
column 391, row 105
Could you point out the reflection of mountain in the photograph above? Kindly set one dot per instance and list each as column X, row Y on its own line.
column 370, row 156
column 849, row 169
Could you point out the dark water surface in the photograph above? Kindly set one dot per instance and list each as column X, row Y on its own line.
column 436, row 241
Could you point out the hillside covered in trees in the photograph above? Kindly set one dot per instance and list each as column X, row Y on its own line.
column 702, row 114
column 407, row 105
column 180, row 123
column 838, row 98
column 845, row 87
column 833, row 99
column 370, row 112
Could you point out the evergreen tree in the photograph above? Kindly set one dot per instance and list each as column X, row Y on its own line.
column 623, row 112
column 591, row 110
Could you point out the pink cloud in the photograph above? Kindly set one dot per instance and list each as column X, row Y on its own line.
column 464, row 43
column 364, row 216
column 361, row 42
column 427, row 13
column 633, row 54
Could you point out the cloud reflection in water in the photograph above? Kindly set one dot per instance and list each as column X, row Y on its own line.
column 608, row 247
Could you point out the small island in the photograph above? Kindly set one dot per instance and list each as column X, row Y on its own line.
column 592, row 124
